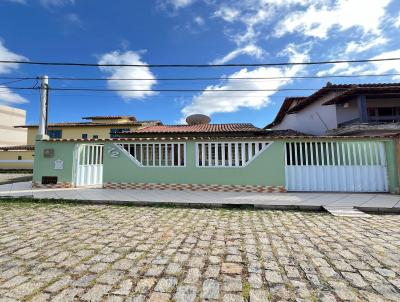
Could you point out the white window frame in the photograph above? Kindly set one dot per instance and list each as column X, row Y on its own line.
column 168, row 156
column 233, row 161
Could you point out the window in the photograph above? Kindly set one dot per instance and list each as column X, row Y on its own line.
column 157, row 155
column 19, row 157
column 54, row 133
column 95, row 136
column 232, row 154
column 115, row 132
column 84, row 136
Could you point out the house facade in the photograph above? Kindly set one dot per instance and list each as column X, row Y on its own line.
column 220, row 157
column 359, row 109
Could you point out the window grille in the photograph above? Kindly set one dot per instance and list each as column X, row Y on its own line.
column 157, row 154
column 232, row 154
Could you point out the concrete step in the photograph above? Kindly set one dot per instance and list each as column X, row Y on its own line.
column 345, row 211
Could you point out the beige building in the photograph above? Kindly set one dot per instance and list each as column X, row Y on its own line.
column 93, row 127
column 9, row 118
column 21, row 154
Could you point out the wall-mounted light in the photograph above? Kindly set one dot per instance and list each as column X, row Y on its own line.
column 346, row 105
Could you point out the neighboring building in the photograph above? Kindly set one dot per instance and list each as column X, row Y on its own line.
column 19, row 155
column 97, row 127
column 10, row 117
column 14, row 153
column 348, row 109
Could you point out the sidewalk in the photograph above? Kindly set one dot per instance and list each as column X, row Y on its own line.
column 305, row 201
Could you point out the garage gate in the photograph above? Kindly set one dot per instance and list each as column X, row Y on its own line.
column 336, row 166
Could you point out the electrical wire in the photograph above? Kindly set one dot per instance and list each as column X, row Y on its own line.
column 197, row 65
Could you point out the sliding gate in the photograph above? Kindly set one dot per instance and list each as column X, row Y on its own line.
column 336, row 166
column 89, row 165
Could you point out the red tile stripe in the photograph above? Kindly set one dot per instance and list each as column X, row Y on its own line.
column 196, row 187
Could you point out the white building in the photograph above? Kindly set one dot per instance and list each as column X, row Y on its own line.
column 10, row 117
column 342, row 110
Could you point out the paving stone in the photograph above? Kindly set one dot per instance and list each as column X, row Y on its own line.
column 273, row 277
column 96, row 293
column 111, row 277
column 210, row 289
column 140, row 253
column 355, row 279
column 144, row 285
column 257, row 295
column 166, row 285
column 124, row 288
column 231, row 268
column 159, row 297
column 232, row 298
column 185, row 293
column 232, row 283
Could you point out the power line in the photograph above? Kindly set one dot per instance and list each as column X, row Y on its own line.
column 169, row 90
column 203, row 78
column 196, row 65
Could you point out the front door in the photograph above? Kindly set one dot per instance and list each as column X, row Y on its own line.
column 89, row 165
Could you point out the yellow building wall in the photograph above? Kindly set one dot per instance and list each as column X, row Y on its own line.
column 9, row 160
column 76, row 132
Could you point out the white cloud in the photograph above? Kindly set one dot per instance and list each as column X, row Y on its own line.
column 250, row 50
column 199, row 21
column 175, row 4
column 74, row 20
column 9, row 97
column 128, row 57
column 209, row 101
column 317, row 21
column 397, row 22
column 380, row 67
column 7, row 55
column 357, row 47
column 226, row 13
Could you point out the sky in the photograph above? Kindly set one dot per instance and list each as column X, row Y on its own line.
column 190, row 32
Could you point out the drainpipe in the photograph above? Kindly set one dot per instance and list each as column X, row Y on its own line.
column 44, row 94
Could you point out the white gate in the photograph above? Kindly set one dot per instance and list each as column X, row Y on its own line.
column 89, row 165
column 336, row 166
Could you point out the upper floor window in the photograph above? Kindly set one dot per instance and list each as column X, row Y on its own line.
column 84, row 136
column 384, row 114
column 115, row 132
column 95, row 136
column 54, row 133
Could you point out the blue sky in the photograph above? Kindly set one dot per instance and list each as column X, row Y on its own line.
column 190, row 31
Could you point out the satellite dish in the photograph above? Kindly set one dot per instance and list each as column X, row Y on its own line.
column 197, row 119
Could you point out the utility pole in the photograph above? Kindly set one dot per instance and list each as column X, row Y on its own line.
column 44, row 95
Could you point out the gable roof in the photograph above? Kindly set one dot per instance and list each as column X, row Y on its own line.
column 109, row 117
column 287, row 103
column 92, row 124
column 345, row 91
column 200, row 128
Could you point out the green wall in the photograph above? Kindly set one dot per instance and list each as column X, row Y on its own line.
column 266, row 169
column 45, row 166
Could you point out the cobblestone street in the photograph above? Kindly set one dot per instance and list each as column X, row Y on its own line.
column 125, row 253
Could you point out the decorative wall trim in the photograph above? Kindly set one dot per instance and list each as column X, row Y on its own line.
column 59, row 185
column 196, row 187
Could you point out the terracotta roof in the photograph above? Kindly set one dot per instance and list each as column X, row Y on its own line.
column 287, row 103
column 80, row 124
column 18, row 148
column 200, row 128
column 272, row 136
column 109, row 117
